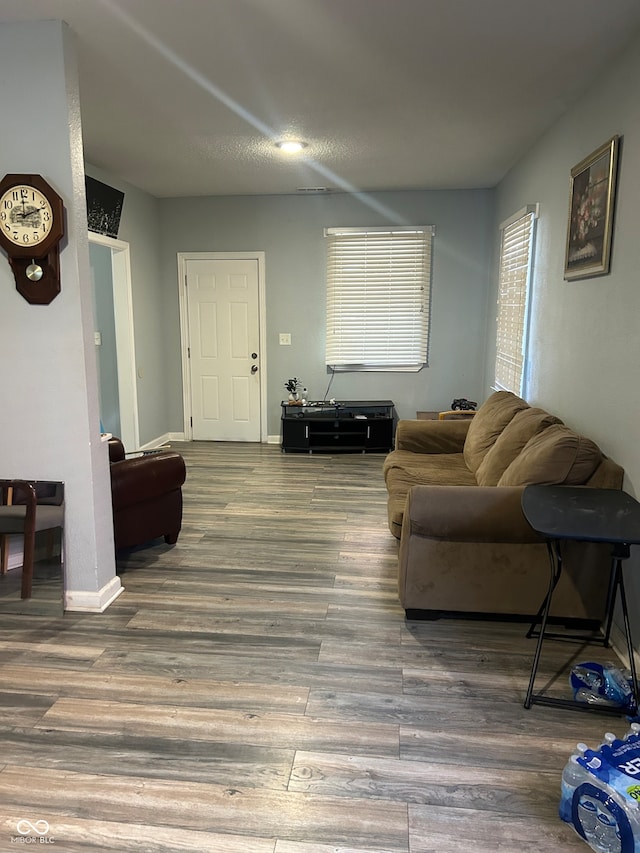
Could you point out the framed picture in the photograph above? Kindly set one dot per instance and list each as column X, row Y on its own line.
column 591, row 202
column 104, row 207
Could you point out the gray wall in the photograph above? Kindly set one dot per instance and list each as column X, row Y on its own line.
column 289, row 229
column 585, row 342
column 50, row 422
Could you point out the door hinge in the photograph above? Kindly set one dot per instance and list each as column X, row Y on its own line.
column 191, row 422
column 188, row 352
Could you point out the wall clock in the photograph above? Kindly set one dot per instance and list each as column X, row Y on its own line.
column 31, row 227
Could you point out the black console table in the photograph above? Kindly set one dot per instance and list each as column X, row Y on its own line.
column 344, row 426
column 585, row 515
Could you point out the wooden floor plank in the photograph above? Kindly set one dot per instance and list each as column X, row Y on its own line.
column 203, row 807
column 75, row 835
column 447, row 830
column 255, row 727
column 505, row 791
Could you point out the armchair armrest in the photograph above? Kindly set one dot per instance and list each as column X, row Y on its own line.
column 431, row 436
column 468, row 514
column 116, row 450
column 145, row 477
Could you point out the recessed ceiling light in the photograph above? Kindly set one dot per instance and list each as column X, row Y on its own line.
column 291, row 146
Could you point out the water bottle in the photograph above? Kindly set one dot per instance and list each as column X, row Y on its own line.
column 607, row 837
column 634, row 729
column 573, row 776
column 588, row 818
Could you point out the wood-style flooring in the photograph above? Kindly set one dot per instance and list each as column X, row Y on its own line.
column 256, row 689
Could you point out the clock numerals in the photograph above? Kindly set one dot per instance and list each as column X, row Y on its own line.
column 26, row 215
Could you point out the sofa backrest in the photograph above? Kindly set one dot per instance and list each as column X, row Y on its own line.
column 557, row 456
column 487, row 424
column 510, row 443
column 524, row 425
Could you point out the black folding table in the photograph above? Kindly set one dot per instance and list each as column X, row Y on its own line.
column 583, row 514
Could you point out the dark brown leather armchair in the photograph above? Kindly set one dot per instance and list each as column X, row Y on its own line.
column 146, row 494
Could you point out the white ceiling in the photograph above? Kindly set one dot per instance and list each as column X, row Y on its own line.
column 186, row 97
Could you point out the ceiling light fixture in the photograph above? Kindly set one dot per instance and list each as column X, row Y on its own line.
column 291, row 146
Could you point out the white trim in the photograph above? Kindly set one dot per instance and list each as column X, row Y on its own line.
column 528, row 208
column 158, row 442
column 93, row 602
column 273, row 439
column 183, row 258
column 125, row 338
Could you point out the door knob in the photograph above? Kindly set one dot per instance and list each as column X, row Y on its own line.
column 254, row 368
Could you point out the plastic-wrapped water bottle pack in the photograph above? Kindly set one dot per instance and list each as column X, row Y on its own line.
column 602, row 684
column 600, row 794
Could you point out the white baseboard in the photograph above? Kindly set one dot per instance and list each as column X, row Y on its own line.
column 93, row 602
column 179, row 436
column 162, row 439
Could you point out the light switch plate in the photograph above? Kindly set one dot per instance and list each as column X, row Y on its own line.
column 285, row 339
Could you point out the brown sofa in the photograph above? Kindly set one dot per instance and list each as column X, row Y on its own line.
column 454, row 501
column 146, row 495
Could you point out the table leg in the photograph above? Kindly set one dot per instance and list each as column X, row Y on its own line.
column 555, row 565
column 627, row 631
column 556, row 571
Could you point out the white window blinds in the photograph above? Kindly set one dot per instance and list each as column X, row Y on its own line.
column 515, row 267
column 378, row 297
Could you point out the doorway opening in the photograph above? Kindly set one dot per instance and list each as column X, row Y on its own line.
column 114, row 337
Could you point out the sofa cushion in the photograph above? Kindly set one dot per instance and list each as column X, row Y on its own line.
column 407, row 469
column 489, row 421
column 555, row 456
column 446, row 469
column 523, row 426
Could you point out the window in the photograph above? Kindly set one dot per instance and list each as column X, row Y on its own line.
column 378, row 297
column 516, row 252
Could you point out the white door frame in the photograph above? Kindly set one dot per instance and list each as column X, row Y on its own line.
column 183, row 258
column 125, row 338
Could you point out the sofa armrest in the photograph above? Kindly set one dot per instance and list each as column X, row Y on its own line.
column 145, row 477
column 431, row 436
column 468, row 514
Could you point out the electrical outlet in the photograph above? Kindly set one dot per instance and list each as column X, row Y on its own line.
column 285, row 339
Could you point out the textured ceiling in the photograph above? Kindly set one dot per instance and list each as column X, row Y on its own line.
column 186, row 97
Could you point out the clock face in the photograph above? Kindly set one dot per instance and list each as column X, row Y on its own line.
column 26, row 216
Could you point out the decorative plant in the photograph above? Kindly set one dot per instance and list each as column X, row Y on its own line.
column 292, row 385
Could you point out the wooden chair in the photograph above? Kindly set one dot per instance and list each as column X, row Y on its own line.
column 22, row 513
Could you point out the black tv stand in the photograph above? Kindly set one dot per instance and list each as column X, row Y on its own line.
column 345, row 426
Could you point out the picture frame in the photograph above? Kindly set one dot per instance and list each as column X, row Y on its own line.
column 104, row 207
column 591, row 203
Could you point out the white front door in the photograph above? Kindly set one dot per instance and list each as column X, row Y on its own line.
column 224, row 345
